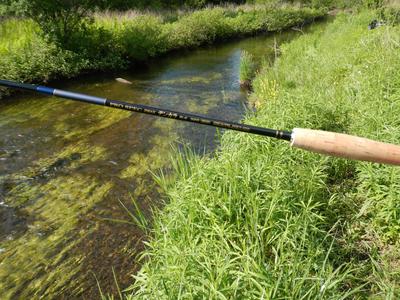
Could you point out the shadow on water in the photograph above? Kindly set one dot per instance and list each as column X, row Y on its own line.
column 64, row 167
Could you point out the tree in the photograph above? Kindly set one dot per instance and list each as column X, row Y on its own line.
column 13, row 7
column 60, row 20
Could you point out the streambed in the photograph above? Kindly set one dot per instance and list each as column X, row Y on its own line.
column 65, row 167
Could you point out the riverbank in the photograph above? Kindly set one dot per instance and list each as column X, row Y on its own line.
column 261, row 220
column 117, row 41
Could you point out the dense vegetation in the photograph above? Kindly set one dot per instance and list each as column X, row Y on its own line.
column 262, row 221
column 116, row 40
column 20, row 7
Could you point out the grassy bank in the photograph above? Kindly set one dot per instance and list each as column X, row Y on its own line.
column 117, row 40
column 260, row 220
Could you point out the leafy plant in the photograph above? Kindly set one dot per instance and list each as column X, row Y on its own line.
column 13, row 8
column 142, row 38
column 61, row 20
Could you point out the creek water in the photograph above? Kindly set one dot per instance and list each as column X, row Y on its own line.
column 66, row 167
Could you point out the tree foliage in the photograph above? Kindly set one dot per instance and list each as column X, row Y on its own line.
column 13, row 7
column 61, row 19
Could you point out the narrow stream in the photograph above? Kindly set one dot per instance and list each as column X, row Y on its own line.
column 65, row 167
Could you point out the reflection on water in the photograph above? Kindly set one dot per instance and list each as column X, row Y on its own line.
column 64, row 167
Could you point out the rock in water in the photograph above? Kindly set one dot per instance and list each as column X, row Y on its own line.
column 121, row 80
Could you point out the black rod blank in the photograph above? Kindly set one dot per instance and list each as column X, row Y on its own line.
column 151, row 110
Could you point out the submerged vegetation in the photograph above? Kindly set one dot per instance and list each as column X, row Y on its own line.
column 116, row 40
column 262, row 221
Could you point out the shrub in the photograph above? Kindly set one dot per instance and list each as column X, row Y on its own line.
column 142, row 38
column 15, row 8
column 199, row 28
column 99, row 47
column 61, row 20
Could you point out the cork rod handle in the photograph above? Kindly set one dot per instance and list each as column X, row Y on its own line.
column 346, row 146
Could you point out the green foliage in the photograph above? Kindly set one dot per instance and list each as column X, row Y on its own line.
column 199, row 28
column 370, row 4
column 25, row 56
column 373, row 4
column 262, row 221
column 389, row 15
column 19, row 7
column 247, row 68
column 13, row 7
column 148, row 36
column 112, row 41
column 128, row 4
column 142, row 38
column 61, row 21
column 310, row 3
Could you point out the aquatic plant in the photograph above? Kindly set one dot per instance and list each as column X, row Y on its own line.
column 247, row 69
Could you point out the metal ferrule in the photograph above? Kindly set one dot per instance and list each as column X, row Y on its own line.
column 80, row 97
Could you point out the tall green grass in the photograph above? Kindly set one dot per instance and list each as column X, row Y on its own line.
column 116, row 40
column 263, row 221
column 247, row 69
column 142, row 36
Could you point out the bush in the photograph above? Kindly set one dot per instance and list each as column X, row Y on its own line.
column 61, row 20
column 142, row 38
column 199, row 28
column 14, row 8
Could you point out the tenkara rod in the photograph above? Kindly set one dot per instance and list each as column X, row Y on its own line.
column 324, row 142
column 285, row 135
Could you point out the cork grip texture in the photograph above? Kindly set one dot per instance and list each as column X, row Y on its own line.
column 346, row 146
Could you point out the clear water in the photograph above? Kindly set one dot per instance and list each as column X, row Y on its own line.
column 65, row 167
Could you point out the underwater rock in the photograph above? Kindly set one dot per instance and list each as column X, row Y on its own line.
column 121, row 80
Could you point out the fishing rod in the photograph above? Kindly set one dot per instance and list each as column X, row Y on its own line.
column 324, row 142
